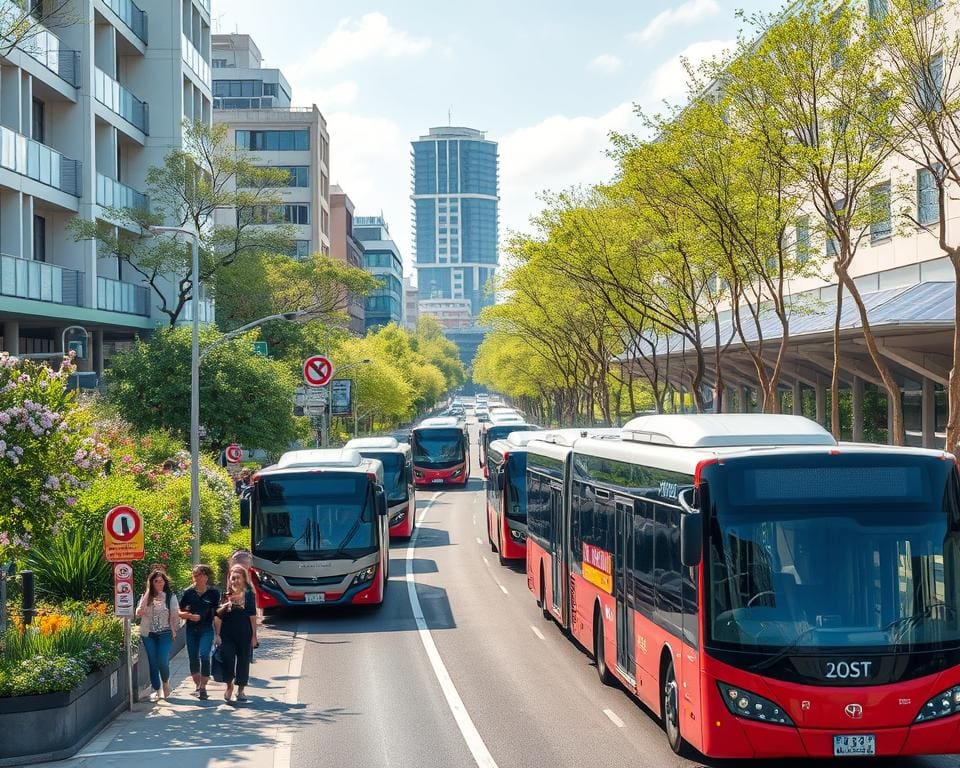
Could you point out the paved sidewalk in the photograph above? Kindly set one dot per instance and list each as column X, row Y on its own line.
column 189, row 733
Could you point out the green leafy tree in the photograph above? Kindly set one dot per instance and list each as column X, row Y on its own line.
column 440, row 351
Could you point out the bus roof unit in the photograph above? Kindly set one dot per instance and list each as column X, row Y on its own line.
column 729, row 430
column 373, row 443
column 320, row 458
column 440, row 421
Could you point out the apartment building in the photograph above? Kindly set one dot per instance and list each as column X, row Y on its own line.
column 411, row 308
column 345, row 247
column 381, row 258
column 86, row 108
column 255, row 103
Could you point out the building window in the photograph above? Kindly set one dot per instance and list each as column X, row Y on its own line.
column 300, row 250
column 298, row 213
column 299, row 175
column 39, row 238
column 880, row 219
column 273, row 141
column 928, row 203
column 37, row 122
column 270, row 89
column 803, row 240
column 324, row 186
column 325, row 222
column 219, row 64
column 877, row 9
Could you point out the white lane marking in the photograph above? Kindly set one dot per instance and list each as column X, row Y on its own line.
column 502, row 588
column 474, row 519
column 485, row 561
column 479, row 541
column 284, row 748
column 537, row 632
column 613, row 718
column 468, row 730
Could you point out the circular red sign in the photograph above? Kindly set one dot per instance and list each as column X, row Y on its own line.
column 234, row 454
column 123, row 523
column 317, row 371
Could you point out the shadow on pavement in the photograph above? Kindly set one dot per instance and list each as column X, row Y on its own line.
column 398, row 565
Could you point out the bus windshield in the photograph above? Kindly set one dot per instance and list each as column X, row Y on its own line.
column 516, row 489
column 809, row 557
column 315, row 516
column 500, row 431
column 394, row 475
column 438, row 447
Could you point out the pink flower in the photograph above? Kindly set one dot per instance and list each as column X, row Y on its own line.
column 164, row 556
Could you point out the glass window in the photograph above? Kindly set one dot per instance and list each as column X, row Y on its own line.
column 878, row 9
column 803, row 239
column 932, row 86
column 273, row 141
column 880, row 220
column 928, row 208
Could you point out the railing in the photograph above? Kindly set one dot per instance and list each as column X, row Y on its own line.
column 120, row 101
column 46, row 47
column 131, row 15
column 193, row 59
column 39, row 162
column 27, row 279
column 205, row 4
column 118, row 296
column 113, row 194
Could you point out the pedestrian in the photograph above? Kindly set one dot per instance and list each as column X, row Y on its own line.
column 242, row 482
column 197, row 607
column 235, row 626
column 244, row 558
column 159, row 613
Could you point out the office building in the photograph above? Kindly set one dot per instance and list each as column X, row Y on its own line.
column 87, row 109
column 345, row 247
column 450, row 313
column 381, row 258
column 411, row 299
column 455, row 200
column 255, row 103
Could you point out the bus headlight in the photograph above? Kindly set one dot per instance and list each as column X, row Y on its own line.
column 365, row 575
column 517, row 536
column 267, row 580
column 417, row 473
column 457, row 472
column 947, row 703
column 748, row 705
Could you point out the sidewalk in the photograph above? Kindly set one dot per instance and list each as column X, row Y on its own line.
column 190, row 733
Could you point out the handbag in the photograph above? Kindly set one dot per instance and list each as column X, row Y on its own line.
column 216, row 666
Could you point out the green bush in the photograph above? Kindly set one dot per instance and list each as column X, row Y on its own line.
column 42, row 674
column 217, row 556
column 71, row 566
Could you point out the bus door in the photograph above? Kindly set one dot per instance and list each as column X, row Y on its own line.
column 624, row 587
column 557, row 548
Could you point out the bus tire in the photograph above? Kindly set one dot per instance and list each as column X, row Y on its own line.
column 500, row 557
column 670, row 704
column 543, row 596
column 598, row 649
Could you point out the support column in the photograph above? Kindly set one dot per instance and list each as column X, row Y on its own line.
column 928, row 415
column 857, row 408
column 821, row 394
column 743, row 399
column 797, row 391
column 11, row 337
column 889, row 421
column 98, row 352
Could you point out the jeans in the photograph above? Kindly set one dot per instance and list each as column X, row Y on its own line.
column 199, row 644
column 158, row 647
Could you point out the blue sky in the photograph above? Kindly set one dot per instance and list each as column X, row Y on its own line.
column 547, row 80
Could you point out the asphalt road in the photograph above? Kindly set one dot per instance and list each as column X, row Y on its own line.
column 530, row 696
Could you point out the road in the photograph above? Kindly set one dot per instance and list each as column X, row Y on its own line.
column 528, row 696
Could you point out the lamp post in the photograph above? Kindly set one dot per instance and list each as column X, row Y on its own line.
column 329, row 406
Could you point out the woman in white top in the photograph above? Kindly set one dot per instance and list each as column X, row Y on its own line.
column 158, row 612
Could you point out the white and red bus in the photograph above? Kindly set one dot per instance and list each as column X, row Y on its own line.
column 319, row 535
column 441, row 452
column 397, row 460
column 499, row 426
column 768, row 592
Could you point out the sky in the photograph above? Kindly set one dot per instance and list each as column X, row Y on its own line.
column 548, row 81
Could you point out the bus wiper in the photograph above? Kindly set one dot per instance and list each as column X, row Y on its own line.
column 784, row 652
column 290, row 549
column 909, row 622
column 346, row 539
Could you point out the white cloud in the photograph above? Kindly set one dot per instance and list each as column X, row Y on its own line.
column 371, row 36
column 687, row 14
column 336, row 96
column 668, row 82
column 605, row 63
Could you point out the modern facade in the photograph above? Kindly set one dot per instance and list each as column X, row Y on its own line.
column 455, row 202
column 85, row 110
column 255, row 104
column 345, row 247
column 450, row 313
column 411, row 308
column 381, row 258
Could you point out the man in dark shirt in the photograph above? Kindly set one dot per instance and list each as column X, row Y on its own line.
column 197, row 607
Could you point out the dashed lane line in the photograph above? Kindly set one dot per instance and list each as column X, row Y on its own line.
column 613, row 718
column 502, row 588
column 479, row 541
column 537, row 632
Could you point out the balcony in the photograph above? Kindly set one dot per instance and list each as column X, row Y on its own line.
column 193, row 59
column 27, row 279
column 46, row 47
column 39, row 162
column 131, row 15
column 205, row 4
column 118, row 296
column 113, row 194
column 120, row 101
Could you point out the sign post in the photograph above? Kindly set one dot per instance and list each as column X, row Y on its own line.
column 122, row 543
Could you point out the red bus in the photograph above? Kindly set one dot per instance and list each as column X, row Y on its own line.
column 441, row 452
column 767, row 591
column 507, row 494
column 397, row 460
column 497, row 429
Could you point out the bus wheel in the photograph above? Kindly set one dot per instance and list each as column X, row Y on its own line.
column 543, row 597
column 602, row 670
column 500, row 557
column 670, row 708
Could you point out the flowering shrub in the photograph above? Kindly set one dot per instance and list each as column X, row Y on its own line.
column 48, row 451
column 42, row 674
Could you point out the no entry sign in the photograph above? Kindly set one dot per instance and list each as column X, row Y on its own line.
column 234, row 454
column 317, row 371
column 122, row 535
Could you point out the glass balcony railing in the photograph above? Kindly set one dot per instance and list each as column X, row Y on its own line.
column 120, row 101
column 39, row 162
column 113, row 194
column 118, row 296
column 27, row 279
column 193, row 59
column 131, row 15
column 46, row 47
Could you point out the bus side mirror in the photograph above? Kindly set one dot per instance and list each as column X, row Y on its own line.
column 245, row 510
column 501, row 479
column 691, row 539
column 381, row 501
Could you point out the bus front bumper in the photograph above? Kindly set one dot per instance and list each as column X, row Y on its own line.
column 367, row 593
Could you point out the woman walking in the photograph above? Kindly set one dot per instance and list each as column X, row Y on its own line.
column 159, row 614
column 197, row 607
column 235, row 628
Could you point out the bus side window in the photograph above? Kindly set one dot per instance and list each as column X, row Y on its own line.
column 575, row 504
column 643, row 554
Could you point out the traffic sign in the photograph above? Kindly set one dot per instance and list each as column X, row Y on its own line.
column 123, row 595
column 234, row 454
column 260, row 348
column 317, row 371
column 122, row 535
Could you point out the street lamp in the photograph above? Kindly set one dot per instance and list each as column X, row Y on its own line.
column 329, row 406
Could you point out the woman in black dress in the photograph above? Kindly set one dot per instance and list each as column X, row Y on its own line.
column 236, row 631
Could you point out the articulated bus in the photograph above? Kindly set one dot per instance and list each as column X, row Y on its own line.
column 767, row 591
column 397, row 460
column 498, row 428
column 441, row 452
column 319, row 533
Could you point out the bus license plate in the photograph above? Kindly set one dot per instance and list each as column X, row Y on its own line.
column 854, row 745
column 315, row 597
